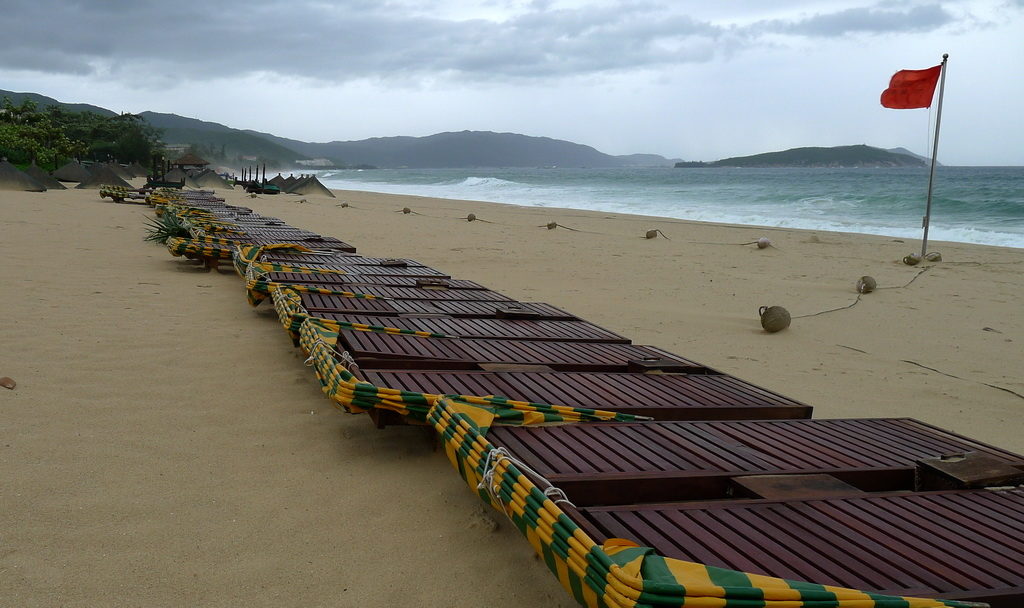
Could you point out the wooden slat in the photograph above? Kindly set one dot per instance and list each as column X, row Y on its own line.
column 493, row 329
column 305, row 259
column 361, row 279
column 662, row 396
column 388, row 351
column 955, row 544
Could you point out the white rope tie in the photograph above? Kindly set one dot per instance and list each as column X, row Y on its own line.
column 496, row 455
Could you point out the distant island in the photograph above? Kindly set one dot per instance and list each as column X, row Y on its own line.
column 838, row 156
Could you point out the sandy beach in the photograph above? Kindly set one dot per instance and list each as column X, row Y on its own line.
column 166, row 446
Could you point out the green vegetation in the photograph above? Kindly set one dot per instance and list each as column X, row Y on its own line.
column 164, row 227
column 55, row 134
column 839, row 156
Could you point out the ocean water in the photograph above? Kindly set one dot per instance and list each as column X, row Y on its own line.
column 982, row 205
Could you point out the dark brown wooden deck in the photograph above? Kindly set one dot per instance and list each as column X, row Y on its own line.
column 966, row 544
column 302, row 278
column 305, row 259
column 317, row 242
column 418, row 293
column 703, row 395
column 391, row 351
column 491, row 329
column 673, row 461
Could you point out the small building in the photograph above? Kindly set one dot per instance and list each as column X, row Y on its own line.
column 188, row 162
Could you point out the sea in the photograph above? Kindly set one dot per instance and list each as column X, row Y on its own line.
column 983, row 205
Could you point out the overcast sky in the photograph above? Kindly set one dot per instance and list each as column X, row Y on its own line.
column 698, row 80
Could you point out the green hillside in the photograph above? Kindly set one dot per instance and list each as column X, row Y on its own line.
column 839, row 156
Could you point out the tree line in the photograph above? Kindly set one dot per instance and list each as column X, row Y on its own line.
column 54, row 135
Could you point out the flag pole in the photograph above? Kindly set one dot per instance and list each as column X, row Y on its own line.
column 935, row 153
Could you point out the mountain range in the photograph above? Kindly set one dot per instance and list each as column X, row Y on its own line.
column 463, row 149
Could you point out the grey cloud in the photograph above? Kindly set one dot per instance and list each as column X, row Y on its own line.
column 867, row 20
column 335, row 42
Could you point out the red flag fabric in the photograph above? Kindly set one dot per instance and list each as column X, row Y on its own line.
column 911, row 89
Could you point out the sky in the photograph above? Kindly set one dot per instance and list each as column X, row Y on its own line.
column 696, row 80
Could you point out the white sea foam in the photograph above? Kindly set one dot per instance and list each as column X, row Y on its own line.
column 836, row 202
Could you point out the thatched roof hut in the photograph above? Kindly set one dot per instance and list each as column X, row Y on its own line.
column 190, row 161
column 40, row 175
column 13, row 178
column 102, row 175
column 74, row 171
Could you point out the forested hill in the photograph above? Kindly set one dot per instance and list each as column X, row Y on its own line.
column 43, row 102
column 839, row 156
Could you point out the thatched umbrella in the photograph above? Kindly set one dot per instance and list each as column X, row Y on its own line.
column 74, row 171
column 120, row 171
column 190, row 182
column 311, row 186
column 137, row 170
column 40, row 175
column 278, row 180
column 102, row 175
column 210, row 179
column 289, row 181
column 13, row 178
column 175, row 175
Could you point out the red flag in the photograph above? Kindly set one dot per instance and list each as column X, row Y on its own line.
column 911, row 89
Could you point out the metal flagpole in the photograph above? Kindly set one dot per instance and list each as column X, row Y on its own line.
column 935, row 152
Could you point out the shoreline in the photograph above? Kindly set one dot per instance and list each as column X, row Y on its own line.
column 166, row 444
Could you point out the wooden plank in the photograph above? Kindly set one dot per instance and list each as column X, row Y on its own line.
column 494, row 329
column 388, row 351
column 648, row 395
column 952, row 544
column 361, row 279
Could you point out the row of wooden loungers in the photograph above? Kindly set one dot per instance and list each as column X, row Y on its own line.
column 727, row 474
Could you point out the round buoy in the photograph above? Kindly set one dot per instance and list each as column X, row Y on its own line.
column 552, row 225
column 471, row 217
column 343, row 205
column 866, row 284
column 912, row 259
column 933, row 256
column 406, row 210
column 774, row 318
column 763, row 243
column 651, row 234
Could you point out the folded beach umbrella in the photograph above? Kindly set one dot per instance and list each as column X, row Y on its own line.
column 40, row 175
column 310, row 186
column 102, row 175
column 210, row 179
column 13, row 178
column 74, row 171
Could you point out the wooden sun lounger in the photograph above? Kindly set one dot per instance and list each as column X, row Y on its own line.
column 316, row 303
column 959, row 544
column 327, row 279
column 491, row 329
column 418, row 293
column 319, row 243
column 700, row 395
column 422, row 272
column 393, row 351
column 626, row 463
column 332, row 258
